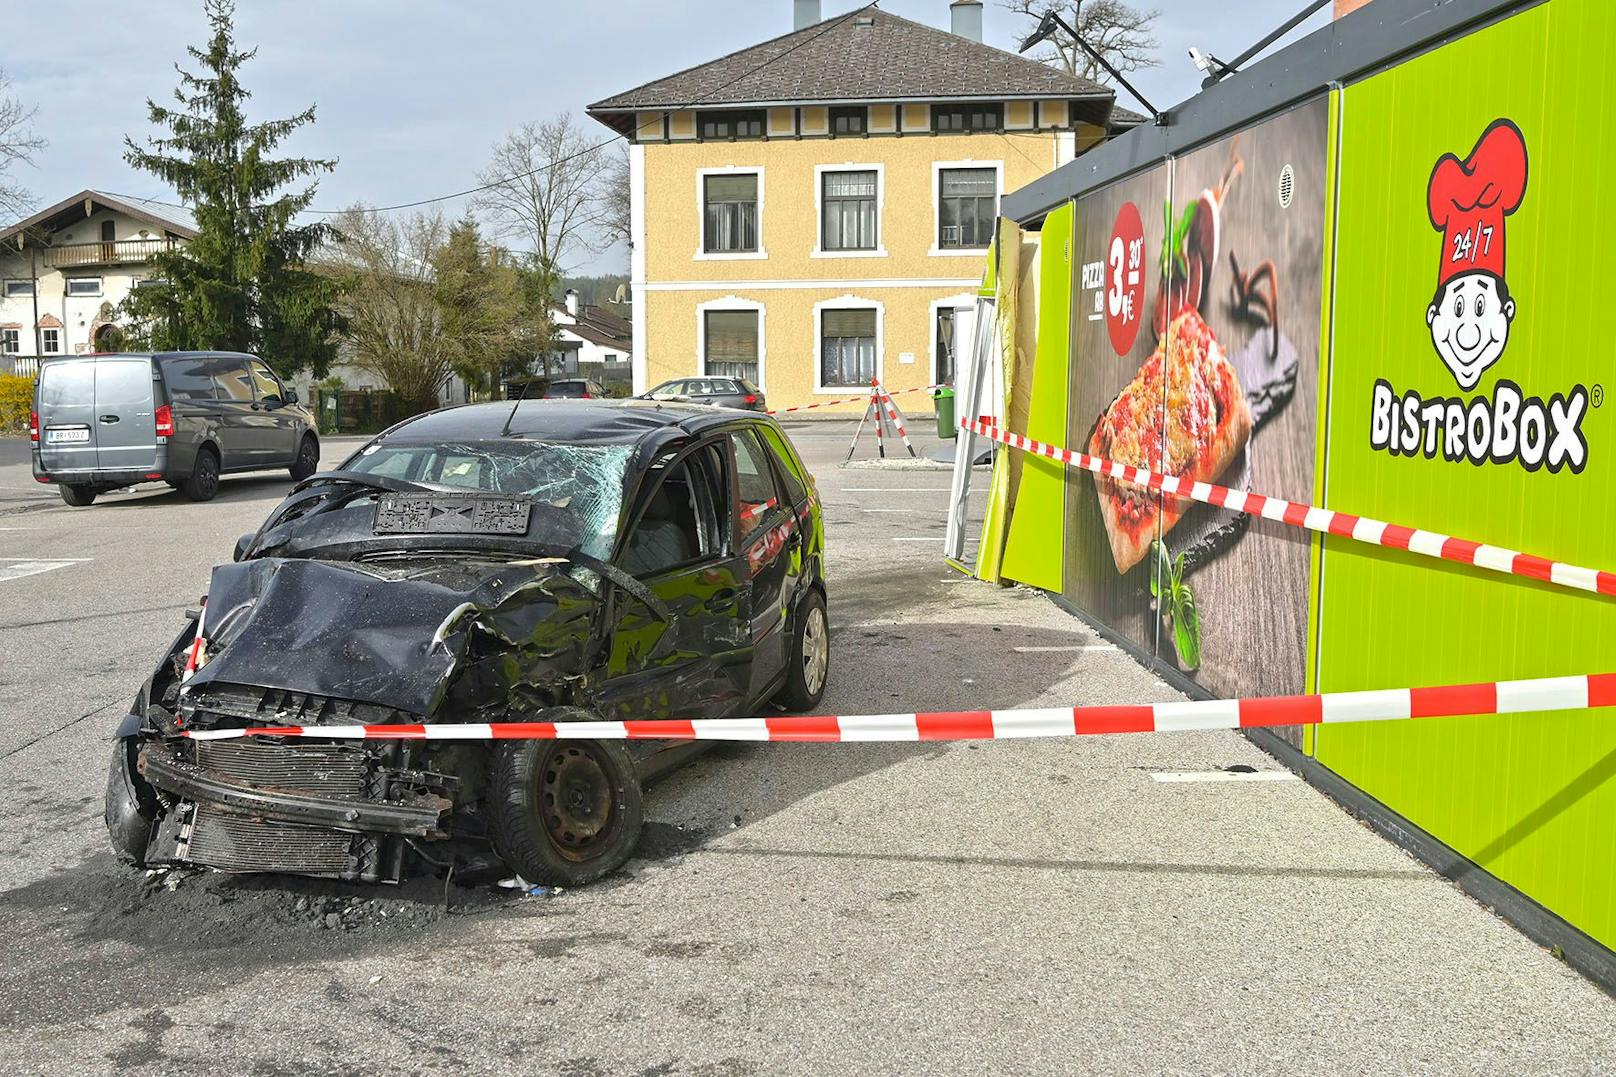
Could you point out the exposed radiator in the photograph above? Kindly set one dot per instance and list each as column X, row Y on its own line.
column 235, row 843
column 326, row 769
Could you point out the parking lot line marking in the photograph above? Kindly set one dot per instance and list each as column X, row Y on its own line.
column 1223, row 776
column 21, row 567
column 1071, row 647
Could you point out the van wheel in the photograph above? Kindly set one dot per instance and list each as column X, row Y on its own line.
column 565, row 812
column 308, row 459
column 809, row 662
column 203, row 482
column 78, row 496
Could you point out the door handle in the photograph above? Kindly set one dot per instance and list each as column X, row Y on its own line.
column 109, row 419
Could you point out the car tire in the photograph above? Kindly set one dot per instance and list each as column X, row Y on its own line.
column 564, row 813
column 203, row 482
column 131, row 807
column 78, row 495
column 308, row 459
column 809, row 668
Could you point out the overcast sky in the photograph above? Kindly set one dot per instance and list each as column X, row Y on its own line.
column 412, row 93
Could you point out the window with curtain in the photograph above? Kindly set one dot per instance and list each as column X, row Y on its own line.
column 849, row 211
column 730, row 210
column 847, row 348
column 967, row 203
column 732, row 344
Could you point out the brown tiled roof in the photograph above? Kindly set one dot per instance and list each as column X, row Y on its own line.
column 599, row 327
column 867, row 55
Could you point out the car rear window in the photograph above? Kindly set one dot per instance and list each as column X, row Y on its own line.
column 565, row 390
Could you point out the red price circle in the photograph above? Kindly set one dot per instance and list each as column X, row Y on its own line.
column 1124, row 292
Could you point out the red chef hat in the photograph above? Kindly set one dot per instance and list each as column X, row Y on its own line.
column 1469, row 199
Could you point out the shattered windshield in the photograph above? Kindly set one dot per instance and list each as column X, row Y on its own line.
column 586, row 481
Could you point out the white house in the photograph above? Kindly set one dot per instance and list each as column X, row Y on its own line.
column 591, row 342
column 64, row 271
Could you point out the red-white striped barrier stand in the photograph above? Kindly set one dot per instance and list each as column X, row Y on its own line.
column 895, row 416
column 1324, row 521
column 847, row 400
column 1580, row 692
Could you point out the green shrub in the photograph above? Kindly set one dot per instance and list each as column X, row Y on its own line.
column 16, row 400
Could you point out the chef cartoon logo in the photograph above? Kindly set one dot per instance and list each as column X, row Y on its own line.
column 1468, row 200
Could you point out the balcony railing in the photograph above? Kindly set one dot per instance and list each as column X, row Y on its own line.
column 109, row 253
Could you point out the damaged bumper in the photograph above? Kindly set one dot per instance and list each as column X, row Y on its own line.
column 315, row 809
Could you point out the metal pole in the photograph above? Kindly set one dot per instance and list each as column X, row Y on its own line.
column 853, row 445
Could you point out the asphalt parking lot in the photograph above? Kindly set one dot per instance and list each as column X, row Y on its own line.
column 1010, row 906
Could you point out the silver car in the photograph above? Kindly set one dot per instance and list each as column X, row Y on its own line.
column 718, row 391
column 101, row 422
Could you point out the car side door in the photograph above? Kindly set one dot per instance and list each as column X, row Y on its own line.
column 770, row 544
column 282, row 429
column 678, row 545
column 238, row 412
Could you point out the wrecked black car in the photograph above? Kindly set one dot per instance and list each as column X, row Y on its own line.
column 542, row 561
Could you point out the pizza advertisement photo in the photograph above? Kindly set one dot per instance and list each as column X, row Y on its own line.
column 1199, row 358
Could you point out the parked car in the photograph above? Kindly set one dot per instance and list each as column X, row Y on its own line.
column 722, row 392
column 589, row 560
column 575, row 389
column 101, row 422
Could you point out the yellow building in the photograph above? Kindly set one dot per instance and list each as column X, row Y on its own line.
column 815, row 210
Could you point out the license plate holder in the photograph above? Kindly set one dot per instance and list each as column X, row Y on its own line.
column 67, row 435
column 450, row 514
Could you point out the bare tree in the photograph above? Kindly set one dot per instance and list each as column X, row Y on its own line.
column 618, row 198
column 395, row 326
column 18, row 144
column 1118, row 31
column 545, row 190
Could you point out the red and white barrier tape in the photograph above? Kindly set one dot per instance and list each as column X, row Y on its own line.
column 1446, row 701
column 864, row 397
column 1324, row 521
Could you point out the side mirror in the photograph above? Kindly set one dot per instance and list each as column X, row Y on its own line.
column 242, row 545
column 291, row 395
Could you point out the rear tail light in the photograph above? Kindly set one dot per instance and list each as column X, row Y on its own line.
column 751, row 398
column 165, row 421
column 585, row 396
column 33, row 426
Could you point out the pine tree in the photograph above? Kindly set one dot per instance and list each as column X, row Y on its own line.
column 242, row 283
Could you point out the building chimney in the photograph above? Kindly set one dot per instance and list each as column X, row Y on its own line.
column 804, row 13
column 965, row 18
column 571, row 301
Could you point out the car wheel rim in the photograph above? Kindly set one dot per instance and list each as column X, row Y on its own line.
column 576, row 801
column 306, row 458
column 815, row 650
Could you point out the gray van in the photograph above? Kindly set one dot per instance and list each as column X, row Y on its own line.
column 105, row 421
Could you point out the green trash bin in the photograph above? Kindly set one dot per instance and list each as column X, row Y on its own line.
column 943, row 396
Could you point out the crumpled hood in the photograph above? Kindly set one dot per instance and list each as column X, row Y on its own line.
column 391, row 636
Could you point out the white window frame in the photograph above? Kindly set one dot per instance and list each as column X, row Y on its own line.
column 12, row 291
column 704, row 255
column 848, row 302
column 880, row 250
column 14, row 347
column 67, row 288
column 44, row 340
column 729, row 303
column 937, row 169
column 966, row 300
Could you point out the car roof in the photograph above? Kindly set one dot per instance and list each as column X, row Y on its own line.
column 593, row 422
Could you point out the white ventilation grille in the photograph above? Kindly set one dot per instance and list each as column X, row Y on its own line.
column 1287, row 186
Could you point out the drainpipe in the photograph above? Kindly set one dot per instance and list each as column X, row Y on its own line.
column 33, row 273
